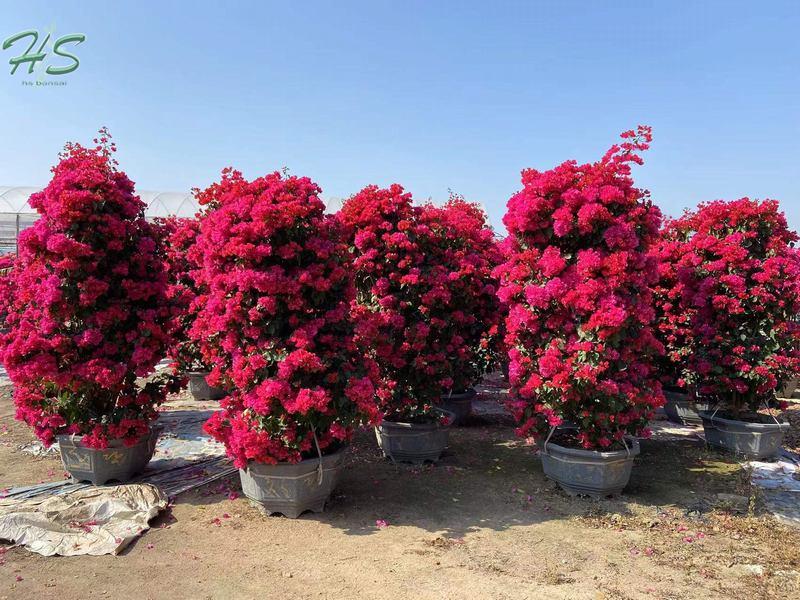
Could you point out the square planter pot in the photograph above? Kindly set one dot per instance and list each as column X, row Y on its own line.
column 415, row 443
column 292, row 488
column 199, row 388
column 752, row 440
column 679, row 408
column 98, row 466
column 458, row 404
column 589, row 472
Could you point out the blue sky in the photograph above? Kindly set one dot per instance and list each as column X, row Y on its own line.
column 432, row 95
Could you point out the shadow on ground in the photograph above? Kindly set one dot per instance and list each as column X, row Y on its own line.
column 489, row 479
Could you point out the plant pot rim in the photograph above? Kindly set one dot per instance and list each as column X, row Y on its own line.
column 76, row 440
column 196, row 373
column 339, row 451
column 470, row 392
column 583, row 453
column 711, row 418
column 420, row 426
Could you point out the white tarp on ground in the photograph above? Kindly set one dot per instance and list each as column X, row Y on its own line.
column 72, row 518
column 95, row 520
column 780, row 485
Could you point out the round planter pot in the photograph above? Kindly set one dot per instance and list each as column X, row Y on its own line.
column 589, row 472
column 458, row 404
column 679, row 408
column 199, row 388
column 413, row 442
column 752, row 440
column 292, row 488
column 100, row 465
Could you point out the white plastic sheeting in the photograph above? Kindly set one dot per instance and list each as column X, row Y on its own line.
column 95, row 520
column 779, row 481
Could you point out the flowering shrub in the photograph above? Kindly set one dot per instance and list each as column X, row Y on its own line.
column 178, row 236
column 426, row 302
column 675, row 313
column 88, row 311
column 741, row 275
column 577, row 282
column 461, row 252
column 393, row 300
column 275, row 321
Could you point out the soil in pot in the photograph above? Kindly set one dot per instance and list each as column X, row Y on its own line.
column 752, row 435
column 415, row 443
column 460, row 404
column 293, row 488
column 587, row 472
column 101, row 465
column 199, row 388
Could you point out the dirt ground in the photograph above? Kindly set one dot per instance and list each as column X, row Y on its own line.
column 483, row 523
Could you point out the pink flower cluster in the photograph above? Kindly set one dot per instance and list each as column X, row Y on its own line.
column 577, row 280
column 426, row 299
column 6, row 264
column 739, row 277
column 276, row 291
column 177, row 238
column 675, row 314
column 87, row 309
column 461, row 254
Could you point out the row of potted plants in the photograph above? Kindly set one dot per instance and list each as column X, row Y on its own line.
column 604, row 308
column 309, row 326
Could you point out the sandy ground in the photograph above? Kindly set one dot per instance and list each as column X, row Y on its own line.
column 483, row 523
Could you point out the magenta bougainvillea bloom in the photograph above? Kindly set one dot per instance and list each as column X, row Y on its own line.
column 178, row 237
column 88, row 310
column 577, row 282
column 740, row 276
column 275, row 323
column 6, row 264
column 462, row 253
column 675, row 313
column 426, row 304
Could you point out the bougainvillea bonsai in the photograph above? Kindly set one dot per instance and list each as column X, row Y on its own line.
column 674, row 311
column 741, row 274
column 275, row 321
column 410, row 264
column 577, row 281
column 461, row 253
column 393, row 301
column 88, row 312
column 178, row 236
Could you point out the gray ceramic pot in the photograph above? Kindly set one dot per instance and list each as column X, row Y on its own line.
column 99, row 466
column 292, row 488
column 458, row 404
column 680, row 408
column 413, row 442
column 752, row 440
column 589, row 472
column 199, row 388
